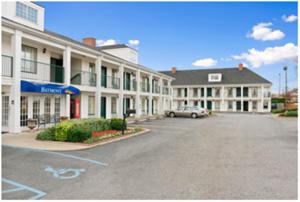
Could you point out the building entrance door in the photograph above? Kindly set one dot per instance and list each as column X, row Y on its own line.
column 209, row 105
column 238, row 106
column 75, row 107
column 246, row 107
column 103, row 107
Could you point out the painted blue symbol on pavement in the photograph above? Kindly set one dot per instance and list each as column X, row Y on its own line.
column 21, row 187
column 64, row 173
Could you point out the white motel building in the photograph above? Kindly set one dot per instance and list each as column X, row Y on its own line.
column 47, row 76
column 235, row 89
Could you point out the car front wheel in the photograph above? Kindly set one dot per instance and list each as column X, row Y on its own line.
column 194, row 115
column 172, row 115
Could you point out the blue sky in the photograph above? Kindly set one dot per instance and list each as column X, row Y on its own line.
column 180, row 34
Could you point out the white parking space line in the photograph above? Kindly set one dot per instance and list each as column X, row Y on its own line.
column 61, row 154
column 21, row 187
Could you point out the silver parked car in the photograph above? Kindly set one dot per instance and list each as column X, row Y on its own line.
column 187, row 111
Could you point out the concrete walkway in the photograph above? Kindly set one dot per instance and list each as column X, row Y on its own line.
column 27, row 140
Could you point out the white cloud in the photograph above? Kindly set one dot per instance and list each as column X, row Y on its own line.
column 207, row 62
column 262, row 31
column 108, row 42
column 245, row 64
column 290, row 18
column 271, row 55
column 134, row 42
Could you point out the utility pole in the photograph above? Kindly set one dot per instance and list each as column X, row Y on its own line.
column 279, row 85
column 286, row 88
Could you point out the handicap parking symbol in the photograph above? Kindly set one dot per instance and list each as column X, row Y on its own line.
column 64, row 173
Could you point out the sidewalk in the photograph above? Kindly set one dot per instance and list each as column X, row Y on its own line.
column 27, row 140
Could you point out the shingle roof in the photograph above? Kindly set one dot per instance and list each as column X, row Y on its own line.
column 229, row 76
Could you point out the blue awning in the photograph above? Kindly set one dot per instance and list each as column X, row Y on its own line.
column 27, row 86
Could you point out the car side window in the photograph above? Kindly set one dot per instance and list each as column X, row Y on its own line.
column 187, row 108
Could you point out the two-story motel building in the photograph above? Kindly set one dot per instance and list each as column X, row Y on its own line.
column 235, row 89
column 50, row 75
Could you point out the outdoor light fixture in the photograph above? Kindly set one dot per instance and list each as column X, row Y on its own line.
column 44, row 50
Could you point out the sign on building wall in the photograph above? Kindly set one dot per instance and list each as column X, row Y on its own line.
column 214, row 77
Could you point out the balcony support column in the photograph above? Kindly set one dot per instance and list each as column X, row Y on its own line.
column 67, row 66
column 150, row 96
column 160, row 99
column 242, row 98
column 138, row 94
column 15, row 97
column 222, row 108
column 205, row 97
column 121, row 94
column 98, row 86
column 262, row 99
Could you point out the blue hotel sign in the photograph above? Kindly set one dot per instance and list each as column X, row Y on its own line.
column 27, row 86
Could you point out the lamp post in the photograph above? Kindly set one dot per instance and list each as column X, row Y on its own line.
column 285, row 102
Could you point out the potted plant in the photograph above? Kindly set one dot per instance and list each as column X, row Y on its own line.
column 31, row 123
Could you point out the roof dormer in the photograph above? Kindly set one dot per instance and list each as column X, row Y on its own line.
column 25, row 13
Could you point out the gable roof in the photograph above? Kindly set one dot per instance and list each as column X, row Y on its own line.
column 229, row 76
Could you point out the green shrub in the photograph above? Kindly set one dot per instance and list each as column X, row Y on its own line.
column 78, row 134
column 291, row 113
column 117, row 124
column 61, row 133
column 276, row 111
column 47, row 134
column 78, row 130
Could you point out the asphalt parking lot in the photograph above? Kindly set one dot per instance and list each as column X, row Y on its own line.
column 225, row 156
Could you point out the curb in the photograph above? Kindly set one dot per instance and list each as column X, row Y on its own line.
column 88, row 146
column 82, row 145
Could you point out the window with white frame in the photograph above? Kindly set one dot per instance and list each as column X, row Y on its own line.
column 254, row 92
column 254, row 105
column 47, row 109
column 26, row 12
column 29, row 63
column 217, row 92
column 229, row 92
column 217, row 105
column 23, row 111
column 36, row 109
column 113, row 105
column 230, row 105
column 57, row 107
column 195, row 92
column 91, row 105
column 267, row 93
column 5, row 110
column 266, row 104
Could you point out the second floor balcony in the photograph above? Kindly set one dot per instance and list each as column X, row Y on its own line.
column 7, row 66
column 34, row 70
column 155, row 89
column 165, row 90
column 84, row 78
column 129, row 85
column 110, row 82
column 145, row 87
